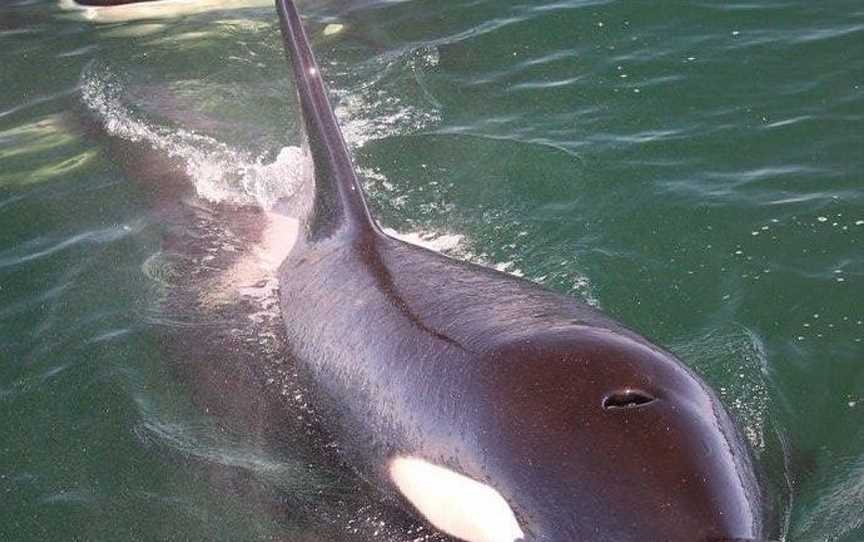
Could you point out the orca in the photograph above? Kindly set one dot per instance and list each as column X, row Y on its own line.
column 493, row 409
column 482, row 404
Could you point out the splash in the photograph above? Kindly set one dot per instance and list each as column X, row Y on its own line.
column 438, row 242
column 220, row 173
column 372, row 112
column 452, row 245
column 377, row 116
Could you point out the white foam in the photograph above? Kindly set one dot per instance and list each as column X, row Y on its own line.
column 370, row 112
column 219, row 172
column 439, row 242
column 454, row 245
column 364, row 121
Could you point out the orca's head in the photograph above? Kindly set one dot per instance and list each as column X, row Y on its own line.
column 591, row 435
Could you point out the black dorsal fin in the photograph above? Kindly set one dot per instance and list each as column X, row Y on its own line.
column 339, row 205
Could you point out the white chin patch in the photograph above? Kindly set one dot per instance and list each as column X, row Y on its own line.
column 454, row 503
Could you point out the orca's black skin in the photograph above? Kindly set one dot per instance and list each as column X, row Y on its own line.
column 588, row 430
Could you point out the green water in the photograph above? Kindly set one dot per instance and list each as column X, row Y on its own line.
column 693, row 168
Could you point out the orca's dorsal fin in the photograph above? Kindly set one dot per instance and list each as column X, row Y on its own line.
column 339, row 205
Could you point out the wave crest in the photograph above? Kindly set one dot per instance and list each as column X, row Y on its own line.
column 219, row 172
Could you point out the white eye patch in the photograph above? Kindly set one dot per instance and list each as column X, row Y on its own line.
column 455, row 504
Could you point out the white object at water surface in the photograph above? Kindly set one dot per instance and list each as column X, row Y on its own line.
column 154, row 9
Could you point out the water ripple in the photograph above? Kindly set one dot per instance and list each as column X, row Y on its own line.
column 36, row 248
column 39, row 100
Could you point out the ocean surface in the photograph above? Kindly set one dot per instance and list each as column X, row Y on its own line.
column 695, row 169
